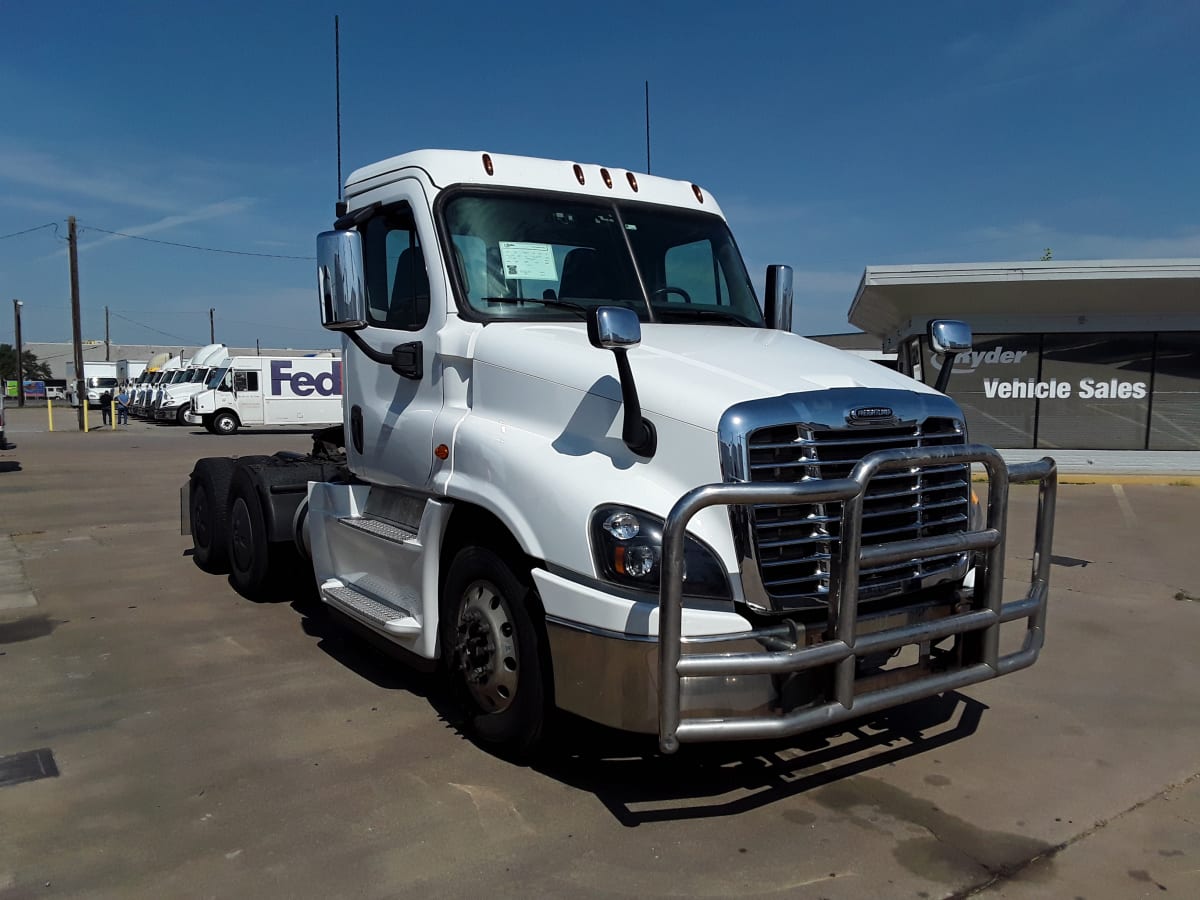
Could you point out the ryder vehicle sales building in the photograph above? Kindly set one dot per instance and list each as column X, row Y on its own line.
column 1091, row 355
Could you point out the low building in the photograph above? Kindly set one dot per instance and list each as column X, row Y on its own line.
column 1087, row 355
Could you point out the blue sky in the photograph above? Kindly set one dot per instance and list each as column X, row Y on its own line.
column 835, row 136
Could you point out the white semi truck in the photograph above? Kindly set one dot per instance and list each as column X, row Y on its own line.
column 172, row 401
column 583, row 468
column 161, row 367
column 246, row 391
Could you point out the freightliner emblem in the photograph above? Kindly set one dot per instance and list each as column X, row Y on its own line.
column 869, row 414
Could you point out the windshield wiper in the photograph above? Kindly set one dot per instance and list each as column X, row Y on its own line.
column 557, row 304
column 711, row 314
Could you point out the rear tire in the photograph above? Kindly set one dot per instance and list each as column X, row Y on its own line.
column 494, row 644
column 209, row 510
column 224, row 422
column 248, row 549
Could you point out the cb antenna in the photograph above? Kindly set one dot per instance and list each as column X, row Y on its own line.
column 647, row 127
column 337, row 82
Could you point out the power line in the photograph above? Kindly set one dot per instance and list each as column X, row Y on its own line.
column 4, row 237
column 174, row 337
column 138, row 237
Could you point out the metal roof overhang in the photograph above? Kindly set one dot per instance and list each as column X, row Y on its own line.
column 894, row 302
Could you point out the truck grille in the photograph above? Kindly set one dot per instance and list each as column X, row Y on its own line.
column 796, row 547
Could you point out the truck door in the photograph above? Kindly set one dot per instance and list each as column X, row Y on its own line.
column 389, row 417
column 248, row 387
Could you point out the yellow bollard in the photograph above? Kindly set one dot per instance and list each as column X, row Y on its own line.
column 112, row 415
column 50, row 412
column 83, row 400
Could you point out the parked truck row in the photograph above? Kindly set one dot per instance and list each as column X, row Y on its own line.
column 580, row 466
column 221, row 392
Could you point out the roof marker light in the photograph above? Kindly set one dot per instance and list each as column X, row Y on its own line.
column 579, row 173
column 632, row 181
column 441, row 451
column 487, row 164
column 607, row 178
column 699, row 193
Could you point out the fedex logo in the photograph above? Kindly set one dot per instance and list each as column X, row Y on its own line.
column 305, row 384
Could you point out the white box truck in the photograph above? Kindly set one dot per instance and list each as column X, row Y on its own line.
column 245, row 391
column 129, row 370
column 581, row 467
column 98, row 377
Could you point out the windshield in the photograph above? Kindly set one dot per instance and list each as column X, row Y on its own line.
column 215, row 379
column 197, row 376
column 96, row 382
column 515, row 249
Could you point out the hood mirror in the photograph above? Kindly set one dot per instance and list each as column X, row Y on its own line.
column 947, row 339
column 778, row 309
column 617, row 328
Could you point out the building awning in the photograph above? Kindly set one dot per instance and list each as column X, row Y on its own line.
column 894, row 302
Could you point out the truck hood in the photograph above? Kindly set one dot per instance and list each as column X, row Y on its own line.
column 692, row 373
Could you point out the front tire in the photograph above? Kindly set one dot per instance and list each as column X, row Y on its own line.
column 225, row 422
column 493, row 640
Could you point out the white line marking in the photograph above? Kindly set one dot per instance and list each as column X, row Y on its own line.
column 1126, row 510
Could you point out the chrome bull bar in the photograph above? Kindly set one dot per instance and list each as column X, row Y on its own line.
column 842, row 652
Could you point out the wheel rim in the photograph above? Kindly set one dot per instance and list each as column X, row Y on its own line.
column 241, row 535
column 225, row 425
column 200, row 530
column 486, row 651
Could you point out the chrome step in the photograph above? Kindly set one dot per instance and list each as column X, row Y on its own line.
column 390, row 619
column 389, row 531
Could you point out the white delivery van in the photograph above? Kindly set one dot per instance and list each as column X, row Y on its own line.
column 129, row 371
column 263, row 390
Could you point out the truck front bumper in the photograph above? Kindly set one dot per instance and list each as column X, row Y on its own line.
column 784, row 679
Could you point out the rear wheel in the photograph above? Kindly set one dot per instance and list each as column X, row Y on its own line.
column 208, row 507
column 248, row 548
column 496, row 650
column 224, row 422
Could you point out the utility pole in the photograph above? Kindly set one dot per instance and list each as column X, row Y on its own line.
column 107, row 346
column 17, row 304
column 257, row 348
column 76, row 326
column 212, row 331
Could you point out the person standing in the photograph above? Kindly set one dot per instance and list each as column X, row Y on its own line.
column 106, row 400
column 123, row 407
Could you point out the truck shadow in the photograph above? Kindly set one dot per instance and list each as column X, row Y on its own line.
column 638, row 785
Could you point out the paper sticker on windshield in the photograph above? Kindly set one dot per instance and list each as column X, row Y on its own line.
column 522, row 259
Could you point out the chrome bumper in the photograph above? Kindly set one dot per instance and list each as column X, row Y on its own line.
column 836, row 659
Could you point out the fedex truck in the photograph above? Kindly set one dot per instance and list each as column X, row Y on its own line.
column 262, row 390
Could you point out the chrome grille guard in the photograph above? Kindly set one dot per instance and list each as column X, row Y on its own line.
column 985, row 617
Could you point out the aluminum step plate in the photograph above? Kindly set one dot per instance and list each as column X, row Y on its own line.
column 387, row 530
column 388, row 618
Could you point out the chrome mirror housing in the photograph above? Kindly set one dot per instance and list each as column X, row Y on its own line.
column 614, row 328
column 341, row 286
column 949, row 336
column 778, row 311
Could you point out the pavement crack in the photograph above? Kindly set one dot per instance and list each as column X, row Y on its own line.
column 1006, row 873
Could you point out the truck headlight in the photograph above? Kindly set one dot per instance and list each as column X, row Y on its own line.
column 627, row 547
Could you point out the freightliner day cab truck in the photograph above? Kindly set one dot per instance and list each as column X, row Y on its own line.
column 584, row 469
column 173, row 400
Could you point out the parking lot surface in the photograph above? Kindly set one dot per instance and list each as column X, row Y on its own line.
column 182, row 741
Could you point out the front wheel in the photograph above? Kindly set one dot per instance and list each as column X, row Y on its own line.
column 224, row 422
column 496, row 650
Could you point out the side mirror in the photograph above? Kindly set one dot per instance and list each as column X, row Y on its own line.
column 778, row 302
column 614, row 328
column 340, row 282
column 617, row 329
column 947, row 339
column 947, row 336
